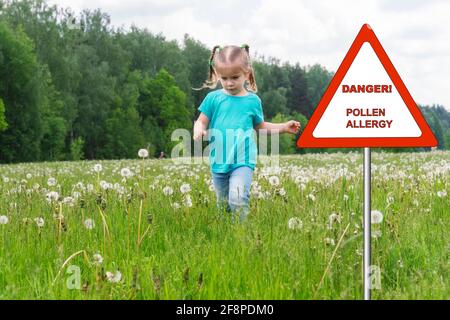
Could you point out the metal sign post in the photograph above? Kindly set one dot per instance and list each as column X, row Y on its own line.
column 367, row 224
column 366, row 105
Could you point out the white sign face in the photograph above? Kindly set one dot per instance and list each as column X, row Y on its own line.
column 366, row 104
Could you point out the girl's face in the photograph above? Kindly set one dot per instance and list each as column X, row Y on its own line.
column 232, row 78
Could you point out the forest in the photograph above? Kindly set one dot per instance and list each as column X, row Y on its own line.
column 73, row 86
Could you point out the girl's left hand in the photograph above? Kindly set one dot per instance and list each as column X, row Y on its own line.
column 292, row 126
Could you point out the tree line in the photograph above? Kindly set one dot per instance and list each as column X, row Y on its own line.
column 74, row 87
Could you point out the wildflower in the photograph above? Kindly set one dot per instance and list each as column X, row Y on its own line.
column 114, row 277
column 105, row 185
column 185, row 188
column 28, row 176
column 176, row 205
column 188, row 201
column 332, row 218
column 143, row 153
column 390, row 200
column 376, row 233
column 329, row 241
column 52, row 196
column 39, row 222
column 89, row 224
column 51, row 182
column 295, row 223
column 98, row 259
column 69, row 201
column 125, row 172
column 442, row 194
column 274, row 180
column 211, row 187
column 5, row 179
column 98, row 167
column 376, row 217
column 4, row 220
column 168, row 191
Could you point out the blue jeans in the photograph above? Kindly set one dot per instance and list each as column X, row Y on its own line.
column 233, row 190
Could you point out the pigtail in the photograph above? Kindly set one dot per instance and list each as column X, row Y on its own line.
column 251, row 76
column 211, row 82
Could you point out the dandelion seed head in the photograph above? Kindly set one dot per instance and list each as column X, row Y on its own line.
column 51, row 182
column 98, row 259
column 295, row 223
column 185, row 188
column 143, row 153
column 274, row 181
column 125, row 173
column 4, row 220
column 39, row 222
column 376, row 217
column 168, row 191
column 89, row 224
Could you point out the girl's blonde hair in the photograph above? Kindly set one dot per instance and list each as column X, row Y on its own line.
column 229, row 54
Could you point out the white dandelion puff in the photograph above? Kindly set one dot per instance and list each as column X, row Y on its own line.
column 143, row 153
column 98, row 259
column 51, row 182
column 176, row 205
column 274, row 181
column 329, row 241
column 188, row 201
column 98, row 167
column 376, row 217
column 89, row 224
column 282, row 192
column 125, row 173
column 168, row 191
column 114, row 277
column 185, row 188
column 69, row 201
column 52, row 196
column 39, row 222
column 442, row 194
column 4, row 220
column 295, row 223
column 333, row 218
column 376, row 233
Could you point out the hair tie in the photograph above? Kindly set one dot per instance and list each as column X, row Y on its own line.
column 244, row 46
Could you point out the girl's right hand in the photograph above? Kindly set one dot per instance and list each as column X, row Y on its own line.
column 198, row 134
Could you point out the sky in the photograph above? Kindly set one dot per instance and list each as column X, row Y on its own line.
column 415, row 34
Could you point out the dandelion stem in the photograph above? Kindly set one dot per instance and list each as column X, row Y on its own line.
column 67, row 261
column 331, row 259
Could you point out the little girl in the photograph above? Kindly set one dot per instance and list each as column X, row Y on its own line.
column 232, row 114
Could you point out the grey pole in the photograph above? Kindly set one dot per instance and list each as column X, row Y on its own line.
column 367, row 239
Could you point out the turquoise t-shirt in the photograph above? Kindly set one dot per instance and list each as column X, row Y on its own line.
column 231, row 132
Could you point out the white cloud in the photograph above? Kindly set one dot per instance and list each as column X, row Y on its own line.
column 415, row 34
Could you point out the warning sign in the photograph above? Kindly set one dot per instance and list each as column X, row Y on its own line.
column 366, row 104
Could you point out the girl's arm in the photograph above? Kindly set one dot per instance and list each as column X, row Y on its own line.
column 200, row 126
column 290, row 126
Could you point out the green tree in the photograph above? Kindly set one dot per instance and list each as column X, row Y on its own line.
column 22, row 95
column 3, row 123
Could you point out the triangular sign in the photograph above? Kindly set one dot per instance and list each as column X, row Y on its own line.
column 366, row 104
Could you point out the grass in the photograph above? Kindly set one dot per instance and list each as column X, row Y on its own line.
column 165, row 250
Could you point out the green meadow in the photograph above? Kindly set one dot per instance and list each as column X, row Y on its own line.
column 150, row 229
